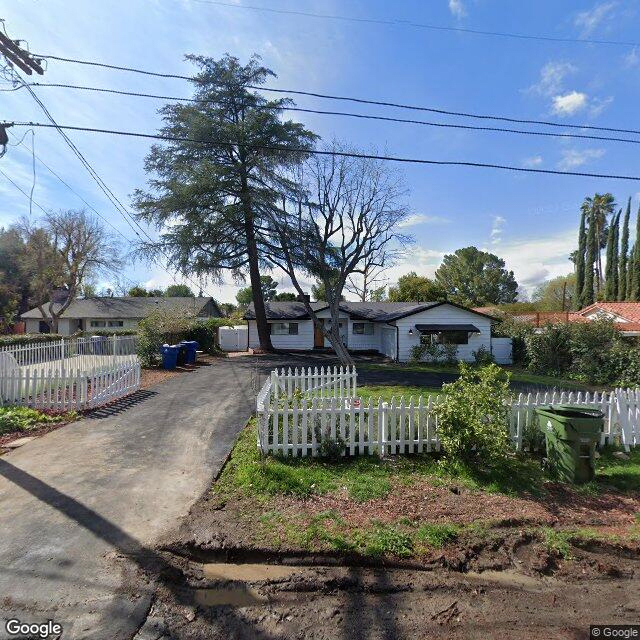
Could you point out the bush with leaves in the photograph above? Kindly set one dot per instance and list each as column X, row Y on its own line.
column 28, row 338
column 434, row 352
column 473, row 414
column 24, row 418
column 158, row 328
column 483, row 356
column 549, row 351
column 591, row 347
column 518, row 331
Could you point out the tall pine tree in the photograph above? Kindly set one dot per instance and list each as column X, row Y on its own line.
column 582, row 246
column 609, row 284
column 635, row 271
column 616, row 257
column 624, row 255
column 592, row 249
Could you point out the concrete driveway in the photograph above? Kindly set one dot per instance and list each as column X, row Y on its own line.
column 81, row 508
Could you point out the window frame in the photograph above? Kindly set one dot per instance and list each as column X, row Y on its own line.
column 292, row 329
column 97, row 324
column 364, row 326
column 115, row 323
column 440, row 337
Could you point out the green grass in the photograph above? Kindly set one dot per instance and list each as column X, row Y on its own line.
column 25, row 419
column 438, row 535
column 518, row 374
column 364, row 477
column 624, row 475
column 387, row 392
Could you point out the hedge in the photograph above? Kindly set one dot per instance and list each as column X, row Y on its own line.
column 28, row 338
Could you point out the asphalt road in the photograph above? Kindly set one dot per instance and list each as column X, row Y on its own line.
column 81, row 507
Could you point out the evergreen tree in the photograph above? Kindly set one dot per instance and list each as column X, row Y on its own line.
column 579, row 259
column 611, row 250
column 592, row 248
column 616, row 256
column 630, row 264
column 635, row 272
column 624, row 251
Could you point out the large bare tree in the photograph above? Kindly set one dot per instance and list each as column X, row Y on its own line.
column 63, row 251
column 342, row 220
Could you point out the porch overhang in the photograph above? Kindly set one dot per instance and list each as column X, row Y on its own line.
column 443, row 328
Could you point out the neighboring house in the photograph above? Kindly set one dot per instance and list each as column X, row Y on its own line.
column 117, row 313
column 625, row 316
column 390, row 328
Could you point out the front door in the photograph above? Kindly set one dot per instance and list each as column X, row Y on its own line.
column 318, row 336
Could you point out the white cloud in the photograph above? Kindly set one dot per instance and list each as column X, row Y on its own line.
column 423, row 261
column 569, row 103
column 496, row 229
column 598, row 105
column 534, row 260
column 573, row 158
column 588, row 21
column 552, row 77
column 632, row 58
column 457, row 8
column 421, row 218
column 533, row 161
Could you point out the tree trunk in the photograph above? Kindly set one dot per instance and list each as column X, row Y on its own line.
column 336, row 340
column 254, row 272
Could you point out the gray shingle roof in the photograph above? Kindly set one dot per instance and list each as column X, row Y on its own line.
column 127, row 307
column 374, row 311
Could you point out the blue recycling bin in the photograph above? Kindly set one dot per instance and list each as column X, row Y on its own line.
column 169, row 356
column 191, row 347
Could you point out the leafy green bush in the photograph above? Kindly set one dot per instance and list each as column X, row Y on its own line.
column 205, row 333
column 482, row 356
column 23, row 418
column 549, row 351
column 28, row 338
column 109, row 332
column 434, row 352
column 518, row 331
column 473, row 415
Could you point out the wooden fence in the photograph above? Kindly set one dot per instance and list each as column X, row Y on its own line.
column 69, row 389
column 296, row 410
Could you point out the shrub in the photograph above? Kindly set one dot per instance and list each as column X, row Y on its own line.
column 483, row 356
column 434, row 352
column 473, row 415
column 549, row 351
column 158, row 328
column 205, row 333
column 28, row 338
column 24, row 418
column 518, row 331
column 109, row 332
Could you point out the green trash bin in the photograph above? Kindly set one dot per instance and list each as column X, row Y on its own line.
column 571, row 435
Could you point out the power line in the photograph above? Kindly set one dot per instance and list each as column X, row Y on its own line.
column 351, row 115
column 421, row 25
column 381, row 103
column 23, row 192
column 347, row 154
column 66, row 184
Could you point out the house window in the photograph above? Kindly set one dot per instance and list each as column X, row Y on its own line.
column 363, row 328
column 98, row 323
column 445, row 337
column 283, row 328
column 116, row 323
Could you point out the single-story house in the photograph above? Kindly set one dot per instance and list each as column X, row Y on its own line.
column 117, row 313
column 625, row 315
column 390, row 328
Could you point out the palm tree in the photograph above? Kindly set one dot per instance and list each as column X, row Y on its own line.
column 596, row 210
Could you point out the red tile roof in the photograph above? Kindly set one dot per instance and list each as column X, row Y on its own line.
column 628, row 310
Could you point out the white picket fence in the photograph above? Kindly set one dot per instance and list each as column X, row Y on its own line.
column 69, row 389
column 297, row 409
column 90, row 353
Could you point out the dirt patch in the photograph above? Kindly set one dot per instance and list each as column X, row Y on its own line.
column 522, row 598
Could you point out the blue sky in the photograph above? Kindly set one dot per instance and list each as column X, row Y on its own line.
column 529, row 220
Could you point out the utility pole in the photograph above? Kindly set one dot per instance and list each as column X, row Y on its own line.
column 15, row 56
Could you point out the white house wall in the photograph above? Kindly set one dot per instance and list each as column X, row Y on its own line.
column 302, row 341
column 444, row 314
column 361, row 342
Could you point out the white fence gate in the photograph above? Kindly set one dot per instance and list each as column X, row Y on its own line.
column 297, row 409
column 234, row 338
